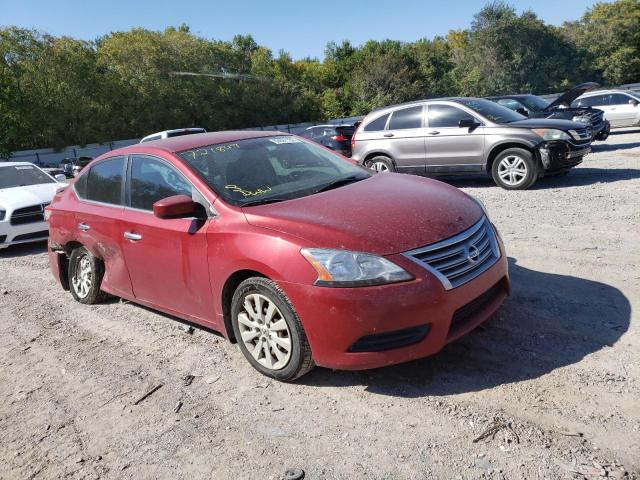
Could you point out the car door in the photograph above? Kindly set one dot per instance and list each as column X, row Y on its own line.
column 100, row 192
column 405, row 139
column 621, row 113
column 166, row 258
column 450, row 148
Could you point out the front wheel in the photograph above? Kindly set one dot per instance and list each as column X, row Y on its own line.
column 269, row 331
column 514, row 169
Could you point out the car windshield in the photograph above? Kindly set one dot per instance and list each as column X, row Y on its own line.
column 270, row 169
column 491, row 110
column 22, row 176
column 533, row 102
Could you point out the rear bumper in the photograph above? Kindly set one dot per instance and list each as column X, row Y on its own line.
column 396, row 323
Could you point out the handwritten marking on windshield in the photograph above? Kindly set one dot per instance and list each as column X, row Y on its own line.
column 248, row 193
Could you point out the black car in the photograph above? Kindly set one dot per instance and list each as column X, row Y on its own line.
column 72, row 166
column 335, row 137
column 533, row 106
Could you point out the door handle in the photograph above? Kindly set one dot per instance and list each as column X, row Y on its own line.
column 434, row 132
column 84, row 227
column 132, row 236
column 388, row 134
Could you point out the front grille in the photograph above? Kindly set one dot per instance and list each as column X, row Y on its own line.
column 31, row 236
column 465, row 315
column 32, row 214
column 460, row 259
column 386, row 341
column 582, row 134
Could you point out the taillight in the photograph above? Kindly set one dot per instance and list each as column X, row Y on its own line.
column 353, row 139
column 339, row 138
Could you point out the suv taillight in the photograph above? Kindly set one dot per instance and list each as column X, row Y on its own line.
column 339, row 138
column 353, row 138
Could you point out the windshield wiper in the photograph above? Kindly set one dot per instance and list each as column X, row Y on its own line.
column 340, row 182
column 264, row 201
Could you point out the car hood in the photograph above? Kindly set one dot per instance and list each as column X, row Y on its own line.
column 570, row 95
column 18, row 197
column 384, row 214
column 546, row 123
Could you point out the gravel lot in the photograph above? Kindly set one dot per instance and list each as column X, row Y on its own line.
column 556, row 371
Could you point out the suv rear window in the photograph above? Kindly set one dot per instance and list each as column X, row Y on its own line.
column 377, row 124
column 406, row 118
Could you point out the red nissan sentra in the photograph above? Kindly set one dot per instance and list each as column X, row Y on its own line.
column 297, row 254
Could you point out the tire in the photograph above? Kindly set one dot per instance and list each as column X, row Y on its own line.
column 380, row 164
column 85, row 290
column 252, row 301
column 514, row 169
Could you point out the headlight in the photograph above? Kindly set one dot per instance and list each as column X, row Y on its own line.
column 581, row 119
column 551, row 134
column 342, row 268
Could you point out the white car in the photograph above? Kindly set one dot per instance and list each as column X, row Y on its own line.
column 25, row 190
column 172, row 133
column 620, row 107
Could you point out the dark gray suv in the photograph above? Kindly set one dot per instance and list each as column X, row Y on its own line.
column 469, row 135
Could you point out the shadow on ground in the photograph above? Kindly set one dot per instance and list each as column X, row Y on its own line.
column 611, row 147
column 549, row 322
column 575, row 178
column 24, row 249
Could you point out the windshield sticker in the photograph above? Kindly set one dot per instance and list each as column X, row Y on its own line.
column 248, row 193
column 283, row 140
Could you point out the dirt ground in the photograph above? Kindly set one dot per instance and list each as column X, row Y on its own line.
column 556, row 371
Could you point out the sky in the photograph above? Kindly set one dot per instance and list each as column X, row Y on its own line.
column 300, row 28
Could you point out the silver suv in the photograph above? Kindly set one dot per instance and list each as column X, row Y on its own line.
column 468, row 135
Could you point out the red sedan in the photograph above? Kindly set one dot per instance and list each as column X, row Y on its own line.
column 288, row 249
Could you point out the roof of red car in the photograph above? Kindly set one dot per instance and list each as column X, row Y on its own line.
column 197, row 140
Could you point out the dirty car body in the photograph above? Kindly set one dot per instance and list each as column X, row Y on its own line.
column 284, row 216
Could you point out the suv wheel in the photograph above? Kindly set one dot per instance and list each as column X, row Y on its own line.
column 514, row 169
column 380, row 164
column 269, row 331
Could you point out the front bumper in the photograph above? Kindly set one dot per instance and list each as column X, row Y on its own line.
column 559, row 155
column 16, row 234
column 342, row 322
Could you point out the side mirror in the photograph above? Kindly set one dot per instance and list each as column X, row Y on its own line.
column 633, row 102
column 523, row 111
column 468, row 123
column 178, row 206
column 61, row 177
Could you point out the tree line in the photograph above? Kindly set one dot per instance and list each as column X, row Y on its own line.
column 57, row 91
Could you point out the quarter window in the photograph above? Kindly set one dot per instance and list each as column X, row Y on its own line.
column 443, row 116
column 406, row 118
column 377, row 124
column 153, row 180
column 104, row 182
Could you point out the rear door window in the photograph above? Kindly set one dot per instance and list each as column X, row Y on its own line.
column 406, row 118
column 377, row 124
column 618, row 99
column 153, row 180
column 104, row 182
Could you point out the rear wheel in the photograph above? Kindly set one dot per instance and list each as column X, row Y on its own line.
column 269, row 331
column 514, row 169
column 85, row 277
column 380, row 164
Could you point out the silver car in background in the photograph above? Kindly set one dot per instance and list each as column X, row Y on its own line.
column 620, row 107
column 468, row 135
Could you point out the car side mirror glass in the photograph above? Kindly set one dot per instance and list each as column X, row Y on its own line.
column 468, row 123
column 523, row 111
column 60, row 177
column 633, row 102
column 177, row 206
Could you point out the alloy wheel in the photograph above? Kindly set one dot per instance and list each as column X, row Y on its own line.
column 379, row 167
column 83, row 277
column 264, row 332
column 512, row 170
